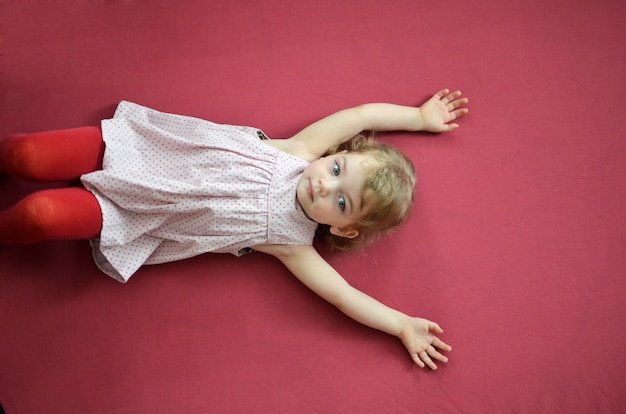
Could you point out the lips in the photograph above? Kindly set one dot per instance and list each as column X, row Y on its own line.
column 309, row 190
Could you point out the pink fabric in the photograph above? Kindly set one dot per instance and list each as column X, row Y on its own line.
column 174, row 187
column 516, row 245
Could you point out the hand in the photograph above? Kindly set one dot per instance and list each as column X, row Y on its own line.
column 443, row 108
column 422, row 344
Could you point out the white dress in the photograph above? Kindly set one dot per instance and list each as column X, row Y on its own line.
column 174, row 187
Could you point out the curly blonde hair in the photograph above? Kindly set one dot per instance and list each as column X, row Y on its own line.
column 387, row 193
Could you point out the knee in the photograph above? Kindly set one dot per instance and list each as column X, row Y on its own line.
column 35, row 214
column 61, row 155
column 21, row 157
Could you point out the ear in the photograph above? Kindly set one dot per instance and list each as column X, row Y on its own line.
column 347, row 232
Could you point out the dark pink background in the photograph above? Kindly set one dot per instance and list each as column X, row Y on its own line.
column 516, row 245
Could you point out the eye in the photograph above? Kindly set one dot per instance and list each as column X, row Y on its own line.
column 336, row 169
column 342, row 203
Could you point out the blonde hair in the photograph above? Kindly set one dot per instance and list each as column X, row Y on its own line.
column 387, row 193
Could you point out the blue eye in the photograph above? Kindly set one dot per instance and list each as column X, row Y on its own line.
column 342, row 203
column 336, row 169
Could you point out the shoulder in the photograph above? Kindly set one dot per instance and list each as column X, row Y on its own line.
column 285, row 252
column 291, row 147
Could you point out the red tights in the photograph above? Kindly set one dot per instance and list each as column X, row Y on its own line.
column 64, row 213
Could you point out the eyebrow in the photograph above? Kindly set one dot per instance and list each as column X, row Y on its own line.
column 345, row 171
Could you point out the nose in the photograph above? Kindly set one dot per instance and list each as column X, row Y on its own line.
column 325, row 187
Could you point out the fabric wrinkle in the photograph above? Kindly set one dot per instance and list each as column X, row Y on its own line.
column 174, row 187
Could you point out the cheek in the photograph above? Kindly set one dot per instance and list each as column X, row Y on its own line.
column 321, row 207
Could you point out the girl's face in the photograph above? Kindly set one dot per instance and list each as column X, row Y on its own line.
column 329, row 191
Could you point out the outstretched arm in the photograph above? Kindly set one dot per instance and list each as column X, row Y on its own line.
column 435, row 115
column 417, row 334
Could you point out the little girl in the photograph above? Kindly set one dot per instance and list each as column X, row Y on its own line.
column 169, row 187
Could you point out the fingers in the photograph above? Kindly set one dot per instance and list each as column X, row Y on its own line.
column 424, row 346
column 417, row 360
column 428, row 355
column 442, row 93
column 446, row 96
column 425, row 357
column 458, row 113
column 451, row 99
column 454, row 104
column 434, row 354
column 441, row 345
column 433, row 326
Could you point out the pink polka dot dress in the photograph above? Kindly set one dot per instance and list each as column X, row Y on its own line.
column 174, row 187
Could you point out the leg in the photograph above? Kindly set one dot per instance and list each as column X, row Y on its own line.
column 52, row 156
column 65, row 213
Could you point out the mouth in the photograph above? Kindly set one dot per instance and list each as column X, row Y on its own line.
column 309, row 191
